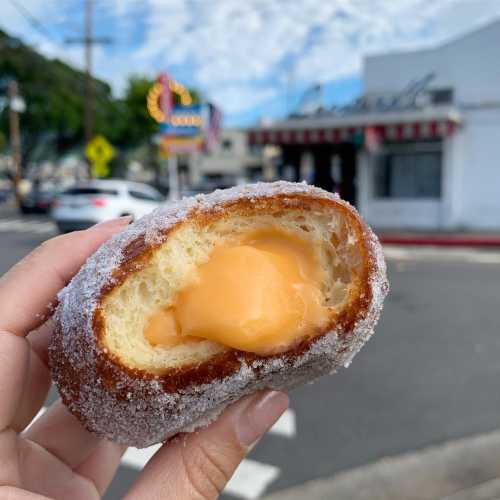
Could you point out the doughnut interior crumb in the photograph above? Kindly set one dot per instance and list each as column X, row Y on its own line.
column 127, row 308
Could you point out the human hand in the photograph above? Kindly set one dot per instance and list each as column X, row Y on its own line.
column 56, row 457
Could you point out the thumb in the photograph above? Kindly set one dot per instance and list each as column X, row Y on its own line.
column 198, row 465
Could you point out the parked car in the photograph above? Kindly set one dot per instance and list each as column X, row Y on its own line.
column 91, row 202
column 5, row 194
column 37, row 202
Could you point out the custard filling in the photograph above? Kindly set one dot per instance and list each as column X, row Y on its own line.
column 261, row 295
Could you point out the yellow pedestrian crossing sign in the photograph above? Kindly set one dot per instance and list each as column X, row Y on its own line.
column 99, row 152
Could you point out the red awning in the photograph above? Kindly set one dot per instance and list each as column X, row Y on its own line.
column 411, row 131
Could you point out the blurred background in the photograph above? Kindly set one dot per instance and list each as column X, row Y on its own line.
column 112, row 107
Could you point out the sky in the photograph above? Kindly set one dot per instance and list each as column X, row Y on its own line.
column 254, row 58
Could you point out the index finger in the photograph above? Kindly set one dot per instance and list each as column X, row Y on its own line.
column 30, row 287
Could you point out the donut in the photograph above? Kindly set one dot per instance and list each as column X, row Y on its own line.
column 211, row 298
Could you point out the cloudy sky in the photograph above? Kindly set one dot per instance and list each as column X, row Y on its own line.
column 254, row 58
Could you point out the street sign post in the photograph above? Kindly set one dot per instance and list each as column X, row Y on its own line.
column 180, row 125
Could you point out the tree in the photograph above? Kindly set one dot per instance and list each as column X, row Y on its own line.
column 54, row 94
column 137, row 124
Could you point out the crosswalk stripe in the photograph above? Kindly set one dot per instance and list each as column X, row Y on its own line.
column 27, row 226
column 45, row 228
column 137, row 459
column 7, row 224
column 286, row 425
column 251, row 479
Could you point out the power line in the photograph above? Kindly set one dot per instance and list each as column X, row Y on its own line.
column 33, row 21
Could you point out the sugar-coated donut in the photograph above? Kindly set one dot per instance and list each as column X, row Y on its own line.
column 211, row 298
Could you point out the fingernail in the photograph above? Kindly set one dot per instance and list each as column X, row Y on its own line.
column 259, row 416
column 119, row 221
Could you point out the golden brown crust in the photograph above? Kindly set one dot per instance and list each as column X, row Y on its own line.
column 138, row 253
column 94, row 383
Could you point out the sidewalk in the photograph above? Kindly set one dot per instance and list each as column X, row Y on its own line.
column 467, row 239
column 465, row 469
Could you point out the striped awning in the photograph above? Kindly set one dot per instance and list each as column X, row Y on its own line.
column 396, row 127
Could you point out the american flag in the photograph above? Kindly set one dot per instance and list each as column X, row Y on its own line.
column 214, row 125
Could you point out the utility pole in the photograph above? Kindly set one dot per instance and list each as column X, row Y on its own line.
column 89, row 41
column 289, row 88
column 15, row 135
column 89, row 91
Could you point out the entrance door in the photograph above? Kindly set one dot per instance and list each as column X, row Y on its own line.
column 347, row 188
column 335, row 169
column 289, row 168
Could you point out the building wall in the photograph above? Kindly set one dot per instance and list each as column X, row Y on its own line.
column 480, row 176
column 470, row 184
column 230, row 156
column 471, row 169
column 469, row 64
column 393, row 213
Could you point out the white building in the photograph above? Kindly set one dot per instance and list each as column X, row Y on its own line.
column 229, row 161
column 420, row 150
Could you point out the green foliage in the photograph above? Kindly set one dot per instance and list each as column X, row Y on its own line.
column 137, row 126
column 54, row 94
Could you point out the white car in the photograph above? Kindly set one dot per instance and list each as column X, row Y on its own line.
column 88, row 203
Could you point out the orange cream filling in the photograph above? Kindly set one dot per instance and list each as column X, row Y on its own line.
column 261, row 295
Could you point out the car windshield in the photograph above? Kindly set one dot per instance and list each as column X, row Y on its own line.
column 91, row 191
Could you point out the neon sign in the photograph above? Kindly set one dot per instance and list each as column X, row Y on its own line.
column 155, row 108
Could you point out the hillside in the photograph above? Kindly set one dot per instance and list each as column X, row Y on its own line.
column 53, row 92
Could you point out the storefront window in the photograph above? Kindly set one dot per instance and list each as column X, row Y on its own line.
column 412, row 174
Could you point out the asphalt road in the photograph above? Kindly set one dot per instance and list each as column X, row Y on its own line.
column 429, row 374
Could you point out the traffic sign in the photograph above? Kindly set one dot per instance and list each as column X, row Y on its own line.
column 99, row 152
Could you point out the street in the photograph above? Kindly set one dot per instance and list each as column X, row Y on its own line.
column 429, row 374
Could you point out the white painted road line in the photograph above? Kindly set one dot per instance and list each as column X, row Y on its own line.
column 440, row 254
column 248, row 482
column 251, row 479
column 137, row 459
column 26, row 226
column 286, row 425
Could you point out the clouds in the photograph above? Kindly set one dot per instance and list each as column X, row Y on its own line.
column 243, row 53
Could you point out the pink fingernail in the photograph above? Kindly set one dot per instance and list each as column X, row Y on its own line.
column 260, row 415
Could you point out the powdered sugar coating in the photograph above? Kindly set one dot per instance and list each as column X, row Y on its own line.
column 148, row 414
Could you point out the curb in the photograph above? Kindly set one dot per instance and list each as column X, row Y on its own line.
column 465, row 469
column 459, row 241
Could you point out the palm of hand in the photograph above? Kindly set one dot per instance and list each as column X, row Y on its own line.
column 55, row 457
